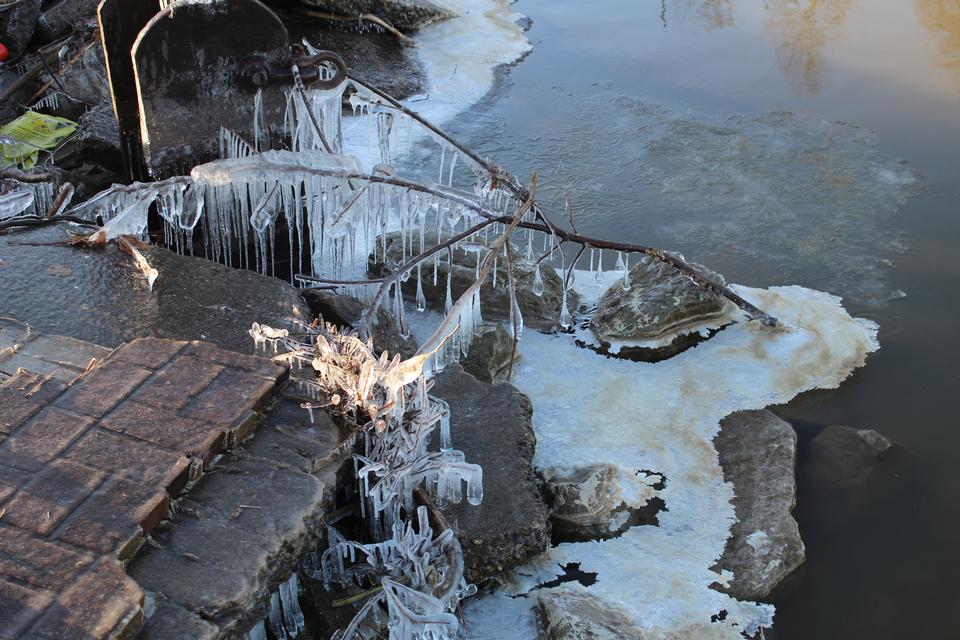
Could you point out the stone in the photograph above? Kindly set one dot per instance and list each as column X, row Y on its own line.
column 590, row 502
column 132, row 459
column 43, row 438
column 345, row 311
column 174, row 386
column 104, row 302
column 490, row 353
column 538, row 311
column 405, row 15
column 843, row 457
column 568, row 615
column 19, row 607
column 18, row 20
column 758, row 455
column 60, row 18
column 492, row 425
column 164, row 428
column 661, row 304
column 84, row 80
column 39, row 563
column 168, row 621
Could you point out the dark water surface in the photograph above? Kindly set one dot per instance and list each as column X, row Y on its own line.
column 812, row 142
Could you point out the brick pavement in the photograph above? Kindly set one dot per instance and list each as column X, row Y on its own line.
column 88, row 469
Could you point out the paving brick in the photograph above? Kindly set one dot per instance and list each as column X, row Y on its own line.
column 38, row 562
column 102, row 389
column 64, row 351
column 15, row 409
column 104, row 603
column 149, row 353
column 35, row 386
column 131, row 459
column 52, row 494
column 10, row 363
column 174, row 385
column 19, row 607
column 43, row 437
column 260, row 366
column 229, row 397
column 167, row 429
column 111, row 520
column 11, row 479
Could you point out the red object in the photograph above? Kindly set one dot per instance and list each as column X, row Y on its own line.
column 4, row 54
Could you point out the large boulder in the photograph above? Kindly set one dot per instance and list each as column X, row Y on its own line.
column 569, row 615
column 405, row 15
column 492, row 425
column 758, row 455
column 346, row 311
column 537, row 310
column 844, row 457
column 660, row 305
column 491, row 352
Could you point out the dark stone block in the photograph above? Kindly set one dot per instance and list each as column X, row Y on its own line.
column 42, row 504
column 175, row 384
column 19, row 607
column 132, row 459
column 39, row 563
column 43, row 437
column 102, row 389
column 149, row 353
column 166, row 429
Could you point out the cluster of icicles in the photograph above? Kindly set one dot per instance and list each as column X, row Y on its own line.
column 25, row 199
column 418, row 576
column 285, row 619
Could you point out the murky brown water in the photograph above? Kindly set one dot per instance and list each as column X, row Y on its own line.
column 814, row 142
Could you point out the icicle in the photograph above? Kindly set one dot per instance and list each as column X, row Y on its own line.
column 289, row 599
column 537, row 282
column 421, row 299
column 276, row 624
column 626, row 274
column 258, row 632
column 599, row 277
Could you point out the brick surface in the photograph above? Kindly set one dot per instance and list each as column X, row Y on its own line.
column 23, row 395
column 19, row 607
column 11, row 479
column 260, row 366
column 42, row 438
column 229, row 397
column 149, row 353
column 175, row 384
column 9, row 365
column 166, row 429
column 101, row 389
column 52, row 494
column 39, row 563
column 104, row 603
column 109, row 520
column 131, row 459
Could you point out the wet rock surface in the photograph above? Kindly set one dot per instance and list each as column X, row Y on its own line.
column 492, row 425
column 758, row 455
column 491, row 350
column 17, row 23
column 541, row 311
column 97, row 295
column 345, row 311
column 567, row 615
column 660, row 303
column 843, row 457
column 405, row 15
column 242, row 530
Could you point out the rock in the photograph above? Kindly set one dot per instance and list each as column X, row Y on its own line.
column 492, row 425
column 96, row 295
column 490, row 353
column 405, row 15
column 661, row 303
column 85, row 80
column 18, row 20
column 59, row 20
column 590, row 502
column 568, row 615
column 843, row 457
column 379, row 59
column 345, row 311
column 538, row 311
column 758, row 455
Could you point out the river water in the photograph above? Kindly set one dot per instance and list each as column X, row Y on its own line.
column 811, row 142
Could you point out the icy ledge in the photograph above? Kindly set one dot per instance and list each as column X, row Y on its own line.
column 662, row 417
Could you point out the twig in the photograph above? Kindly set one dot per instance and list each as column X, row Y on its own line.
column 64, row 196
column 17, row 174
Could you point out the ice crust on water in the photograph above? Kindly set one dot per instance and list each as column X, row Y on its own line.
column 663, row 417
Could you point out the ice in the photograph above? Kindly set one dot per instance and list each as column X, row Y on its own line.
column 290, row 603
column 663, row 417
column 15, row 202
column 258, row 632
